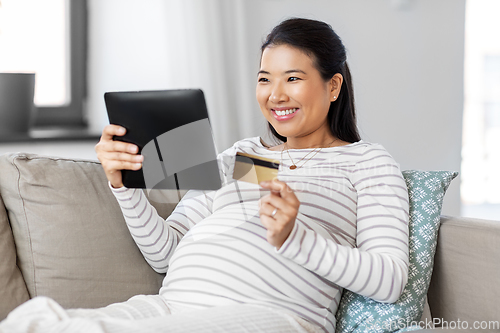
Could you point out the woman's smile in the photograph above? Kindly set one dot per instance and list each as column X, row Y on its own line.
column 284, row 113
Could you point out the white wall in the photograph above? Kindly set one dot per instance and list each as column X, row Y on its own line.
column 127, row 51
column 406, row 61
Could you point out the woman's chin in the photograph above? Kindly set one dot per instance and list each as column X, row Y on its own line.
column 284, row 133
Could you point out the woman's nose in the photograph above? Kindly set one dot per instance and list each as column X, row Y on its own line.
column 278, row 95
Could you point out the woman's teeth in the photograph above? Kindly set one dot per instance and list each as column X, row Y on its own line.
column 285, row 112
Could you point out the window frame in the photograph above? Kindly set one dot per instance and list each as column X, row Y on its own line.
column 72, row 114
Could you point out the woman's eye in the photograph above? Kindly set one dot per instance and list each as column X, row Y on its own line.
column 293, row 78
column 263, row 79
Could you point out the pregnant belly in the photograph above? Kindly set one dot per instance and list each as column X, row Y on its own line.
column 221, row 261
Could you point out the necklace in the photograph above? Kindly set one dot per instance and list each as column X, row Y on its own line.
column 295, row 165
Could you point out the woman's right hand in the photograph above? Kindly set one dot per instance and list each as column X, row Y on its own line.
column 117, row 155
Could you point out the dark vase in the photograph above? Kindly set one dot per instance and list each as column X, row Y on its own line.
column 16, row 103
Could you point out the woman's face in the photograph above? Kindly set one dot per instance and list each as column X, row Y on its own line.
column 293, row 96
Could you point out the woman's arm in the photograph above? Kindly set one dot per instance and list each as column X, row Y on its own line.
column 378, row 267
column 157, row 238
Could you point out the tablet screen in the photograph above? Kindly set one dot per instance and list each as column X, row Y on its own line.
column 173, row 133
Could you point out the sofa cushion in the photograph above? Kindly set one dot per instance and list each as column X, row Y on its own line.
column 357, row 313
column 71, row 238
column 12, row 287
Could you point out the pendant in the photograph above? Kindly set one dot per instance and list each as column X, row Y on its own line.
column 293, row 167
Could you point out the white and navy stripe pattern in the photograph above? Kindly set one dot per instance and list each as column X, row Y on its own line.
column 351, row 232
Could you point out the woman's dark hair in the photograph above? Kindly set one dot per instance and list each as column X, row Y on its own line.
column 318, row 40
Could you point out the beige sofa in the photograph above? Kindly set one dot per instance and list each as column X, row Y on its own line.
column 62, row 235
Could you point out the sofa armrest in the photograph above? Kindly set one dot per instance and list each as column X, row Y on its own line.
column 13, row 290
column 71, row 241
column 464, row 283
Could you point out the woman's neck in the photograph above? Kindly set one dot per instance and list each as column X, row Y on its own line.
column 311, row 142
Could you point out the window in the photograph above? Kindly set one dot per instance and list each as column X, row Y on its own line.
column 481, row 122
column 49, row 38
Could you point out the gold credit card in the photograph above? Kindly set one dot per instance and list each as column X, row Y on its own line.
column 254, row 169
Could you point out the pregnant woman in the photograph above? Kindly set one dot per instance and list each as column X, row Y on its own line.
column 272, row 257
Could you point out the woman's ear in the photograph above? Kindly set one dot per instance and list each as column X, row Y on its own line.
column 335, row 85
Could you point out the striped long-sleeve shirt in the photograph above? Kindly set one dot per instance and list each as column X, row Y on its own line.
column 351, row 232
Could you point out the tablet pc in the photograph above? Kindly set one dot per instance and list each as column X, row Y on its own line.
column 173, row 133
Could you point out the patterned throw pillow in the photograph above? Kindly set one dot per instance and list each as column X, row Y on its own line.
column 357, row 313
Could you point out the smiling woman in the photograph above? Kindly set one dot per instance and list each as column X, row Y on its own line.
column 336, row 216
column 274, row 256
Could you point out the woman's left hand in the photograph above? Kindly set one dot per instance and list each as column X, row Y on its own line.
column 278, row 211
